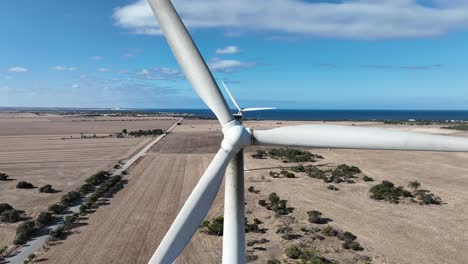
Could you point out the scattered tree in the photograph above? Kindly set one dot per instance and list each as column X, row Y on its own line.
column 414, row 185
column 315, row 217
column 44, row 219
column 46, row 189
column 367, row 178
column 3, row 176
column 24, row 185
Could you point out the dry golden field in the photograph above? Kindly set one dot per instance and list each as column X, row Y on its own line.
column 32, row 150
column 129, row 229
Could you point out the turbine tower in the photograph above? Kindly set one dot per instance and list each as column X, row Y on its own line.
column 237, row 137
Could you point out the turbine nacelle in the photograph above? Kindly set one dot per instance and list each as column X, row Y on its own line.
column 236, row 136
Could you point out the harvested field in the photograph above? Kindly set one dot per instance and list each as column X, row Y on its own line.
column 20, row 124
column 30, row 154
column 129, row 229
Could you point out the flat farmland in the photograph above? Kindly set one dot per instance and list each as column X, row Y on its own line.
column 130, row 227
column 50, row 124
column 50, row 159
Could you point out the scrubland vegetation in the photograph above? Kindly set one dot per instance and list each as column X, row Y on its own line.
column 143, row 133
column 387, row 191
column 461, row 127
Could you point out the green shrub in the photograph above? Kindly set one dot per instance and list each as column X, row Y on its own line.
column 315, row 173
column 262, row 203
column 287, row 174
column 414, row 185
column 86, row 188
column 46, row 189
column 3, row 176
column 3, row 249
column 44, row 219
column 273, row 261
column 314, row 217
column 329, row 231
column 332, row 187
column 214, row 227
column 293, row 252
column 70, row 219
column 98, row 178
column 24, row 185
column 58, row 234
column 5, row 207
column 56, row 208
column 274, row 198
column 10, row 216
column 293, row 155
column 388, row 192
column 70, row 198
column 367, row 178
column 23, row 232
column 260, row 154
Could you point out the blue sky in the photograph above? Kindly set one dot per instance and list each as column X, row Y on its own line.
column 354, row 54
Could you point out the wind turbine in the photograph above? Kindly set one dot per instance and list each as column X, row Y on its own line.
column 242, row 110
column 237, row 137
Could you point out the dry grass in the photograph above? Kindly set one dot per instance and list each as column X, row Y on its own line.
column 129, row 229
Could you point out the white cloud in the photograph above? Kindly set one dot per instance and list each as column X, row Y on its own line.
column 103, row 70
column 162, row 73
column 228, row 50
column 63, row 68
column 356, row 19
column 75, row 86
column 17, row 69
column 96, row 58
column 227, row 66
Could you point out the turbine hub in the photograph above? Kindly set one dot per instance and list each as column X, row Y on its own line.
column 236, row 136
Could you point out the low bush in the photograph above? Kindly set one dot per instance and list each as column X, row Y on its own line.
column 329, row 231
column 388, row 192
column 98, row 178
column 274, row 174
column 280, row 207
column 315, row 217
column 56, row 208
column 251, row 189
column 332, row 187
column 288, row 174
column 350, row 244
column 70, row 219
column 24, row 185
column 70, row 198
column 260, row 154
column 367, row 178
column 24, row 232
column 58, row 234
column 315, row 173
column 46, row 189
column 10, row 216
column 149, row 132
column 2, row 250
column 305, row 254
column 262, row 203
column 3, row 176
column 5, row 207
column 44, row 219
column 86, row 188
column 293, row 155
column 273, row 261
column 215, row 227
column 253, row 227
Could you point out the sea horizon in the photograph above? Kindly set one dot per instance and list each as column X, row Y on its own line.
column 280, row 114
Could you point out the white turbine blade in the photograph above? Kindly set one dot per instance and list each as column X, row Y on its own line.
column 190, row 59
column 232, row 97
column 194, row 211
column 251, row 109
column 351, row 137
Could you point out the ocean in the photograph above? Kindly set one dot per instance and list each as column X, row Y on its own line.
column 289, row 114
column 335, row 115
